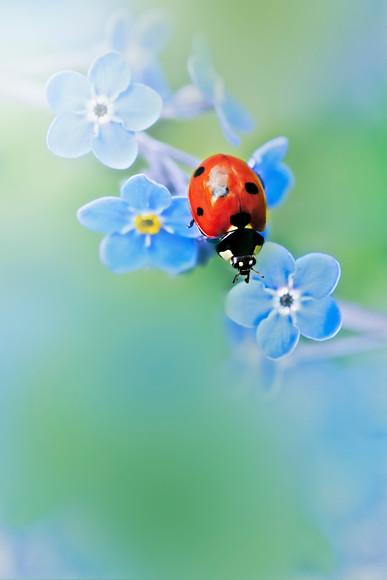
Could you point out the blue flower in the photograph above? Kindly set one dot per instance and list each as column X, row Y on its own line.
column 232, row 116
column 140, row 40
column 278, row 179
column 146, row 226
column 292, row 299
column 100, row 112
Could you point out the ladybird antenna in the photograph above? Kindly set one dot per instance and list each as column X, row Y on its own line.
column 256, row 271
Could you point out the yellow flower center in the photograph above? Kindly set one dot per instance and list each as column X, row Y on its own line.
column 147, row 224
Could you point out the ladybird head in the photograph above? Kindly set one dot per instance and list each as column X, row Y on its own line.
column 243, row 263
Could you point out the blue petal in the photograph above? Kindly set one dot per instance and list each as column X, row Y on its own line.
column 248, row 304
column 138, row 107
column 105, row 215
column 276, row 264
column 316, row 275
column 70, row 135
column 277, row 336
column 110, row 75
column 239, row 336
column 277, row 177
column 231, row 114
column 278, row 180
column 145, row 195
column 118, row 32
column 187, row 102
column 166, row 171
column 153, row 76
column 68, row 91
column 319, row 319
column 172, row 254
column 201, row 70
column 237, row 115
column 177, row 217
column 140, row 41
column 206, row 251
column 124, row 253
column 153, row 29
column 225, row 125
column 114, row 146
column 270, row 152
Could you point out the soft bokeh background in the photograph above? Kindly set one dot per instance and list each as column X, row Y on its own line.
column 133, row 443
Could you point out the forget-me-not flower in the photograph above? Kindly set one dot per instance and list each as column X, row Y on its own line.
column 140, row 40
column 101, row 112
column 232, row 116
column 293, row 298
column 146, row 226
column 267, row 162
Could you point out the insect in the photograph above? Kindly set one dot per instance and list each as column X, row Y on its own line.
column 227, row 201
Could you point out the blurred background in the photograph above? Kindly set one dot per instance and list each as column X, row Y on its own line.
column 137, row 439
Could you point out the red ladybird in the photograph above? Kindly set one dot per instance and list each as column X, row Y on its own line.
column 228, row 202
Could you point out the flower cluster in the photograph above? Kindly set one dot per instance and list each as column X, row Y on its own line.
column 108, row 111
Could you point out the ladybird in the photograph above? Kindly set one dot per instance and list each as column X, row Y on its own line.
column 228, row 202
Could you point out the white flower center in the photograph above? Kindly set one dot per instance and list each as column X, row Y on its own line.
column 100, row 110
column 287, row 300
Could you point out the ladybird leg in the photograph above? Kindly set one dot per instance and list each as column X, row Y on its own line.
column 236, row 277
column 191, row 223
column 256, row 271
column 247, row 277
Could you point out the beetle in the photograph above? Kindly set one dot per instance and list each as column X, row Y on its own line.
column 227, row 201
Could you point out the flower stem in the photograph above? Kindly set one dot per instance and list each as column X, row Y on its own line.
column 360, row 319
column 29, row 92
column 153, row 146
column 47, row 64
column 338, row 348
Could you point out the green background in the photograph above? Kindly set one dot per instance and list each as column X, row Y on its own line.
column 120, row 418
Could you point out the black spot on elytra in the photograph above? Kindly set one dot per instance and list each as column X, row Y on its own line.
column 199, row 171
column 251, row 188
column 200, row 211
